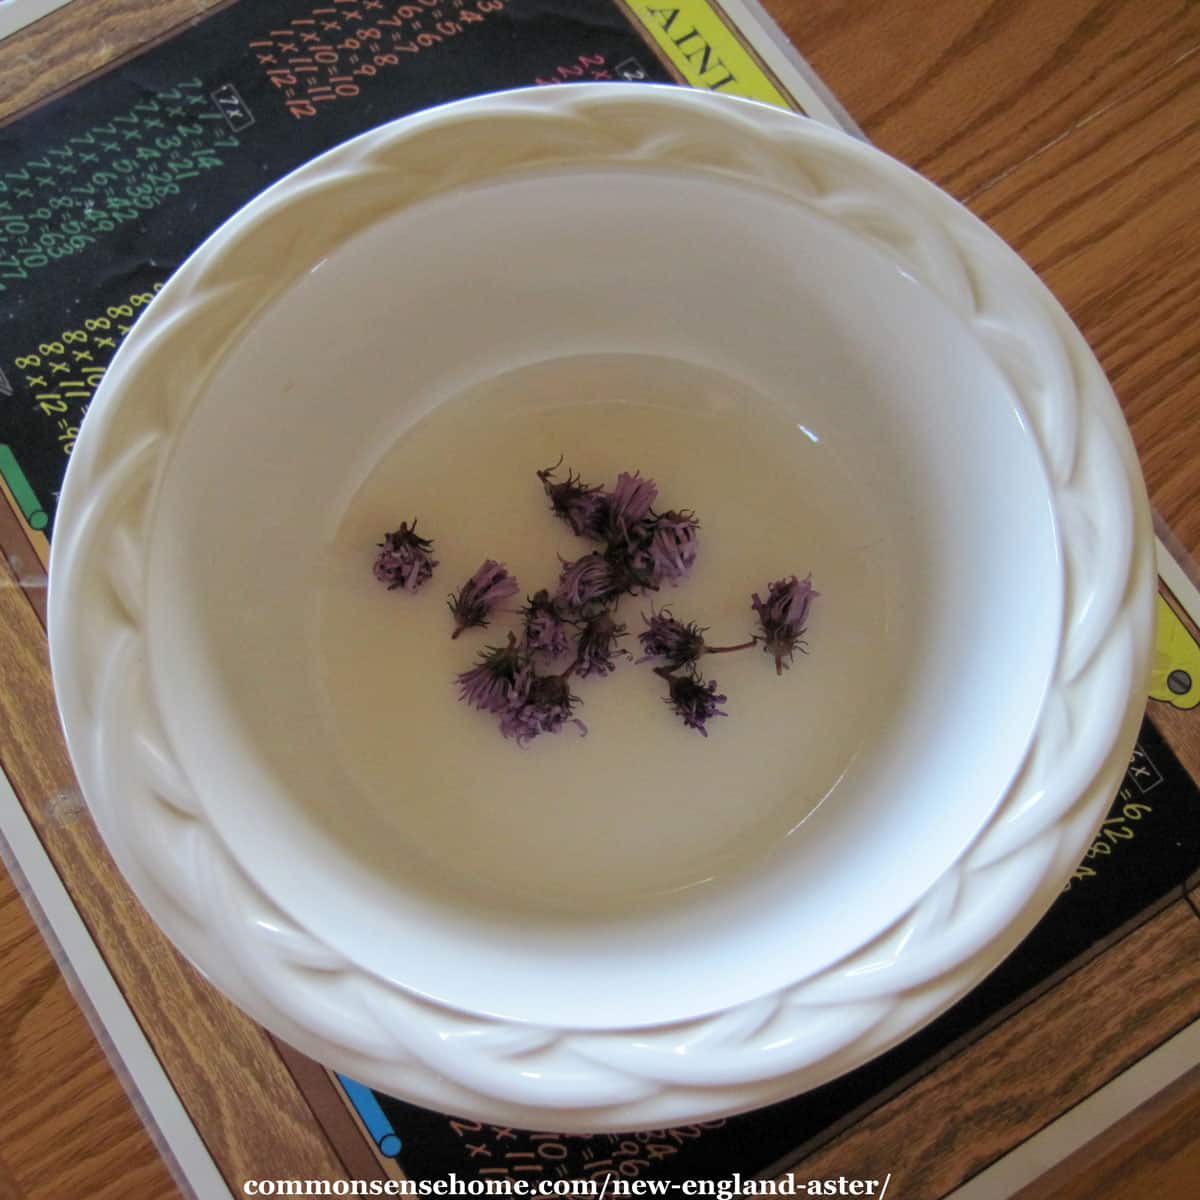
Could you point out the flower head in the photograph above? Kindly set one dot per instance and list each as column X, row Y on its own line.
column 491, row 685
column 545, row 630
column 596, row 650
column 664, row 637
column 587, row 581
column 667, row 547
column 404, row 559
column 783, row 616
column 629, row 503
column 632, row 569
column 541, row 704
column 695, row 701
column 472, row 604
column 584, row 508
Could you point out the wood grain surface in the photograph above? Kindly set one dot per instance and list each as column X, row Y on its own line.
column 81, row 39
column 1154, row 1153
column 1074, row 129
column 94, row 1146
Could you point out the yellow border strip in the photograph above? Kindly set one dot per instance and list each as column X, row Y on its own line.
column 704, row 49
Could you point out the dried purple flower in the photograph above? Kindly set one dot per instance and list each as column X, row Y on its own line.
column 587, row 581
column 545, row 630
column 472, row 604
column 782, row 617
column 584, row 508
column 596, row 650
column 694, row 700
column 491, row 685
column 664, row 637
column 541, row 704
column 667, row 549
column 404, row 559
column 629, row 502
column 628, row 571
column 679, row 644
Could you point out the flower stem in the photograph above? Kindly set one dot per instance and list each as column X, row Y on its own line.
column 730, row 649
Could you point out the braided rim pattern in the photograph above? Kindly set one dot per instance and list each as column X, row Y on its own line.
column 758, row 1052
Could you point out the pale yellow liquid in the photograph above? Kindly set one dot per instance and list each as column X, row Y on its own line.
column 642, row 808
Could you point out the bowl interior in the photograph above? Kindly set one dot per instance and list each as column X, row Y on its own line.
column 819, row 410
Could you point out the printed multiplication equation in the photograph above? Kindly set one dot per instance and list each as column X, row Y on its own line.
column 63, row 371
column 328, row 54
column 587, row 68
column 61, row 201
column 594, row 68
column 496, row 1152
column 1121, row 825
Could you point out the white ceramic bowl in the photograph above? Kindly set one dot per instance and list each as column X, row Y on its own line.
column 838, row 367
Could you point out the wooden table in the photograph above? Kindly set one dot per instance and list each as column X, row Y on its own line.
column 1073, row 127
